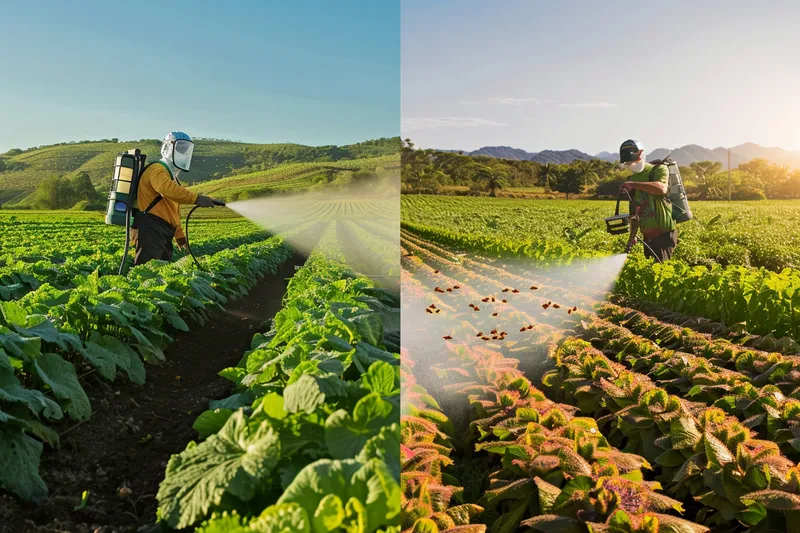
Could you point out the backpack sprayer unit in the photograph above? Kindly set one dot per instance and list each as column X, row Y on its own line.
column 128, row 169
column 619, row 224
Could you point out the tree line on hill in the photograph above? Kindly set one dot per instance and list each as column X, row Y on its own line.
column 438, row 172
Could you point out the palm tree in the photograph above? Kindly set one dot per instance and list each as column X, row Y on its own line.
column 494, row 180
column 705, row 170
column 550, row 172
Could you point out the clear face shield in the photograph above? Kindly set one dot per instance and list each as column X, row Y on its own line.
column 182, row 154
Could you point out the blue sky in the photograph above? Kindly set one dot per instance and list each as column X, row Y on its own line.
column 585, row 74
column 312, row 72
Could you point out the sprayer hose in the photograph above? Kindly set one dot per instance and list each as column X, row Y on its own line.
column 188, row 244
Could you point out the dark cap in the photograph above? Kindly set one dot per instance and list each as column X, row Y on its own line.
column 629, row 151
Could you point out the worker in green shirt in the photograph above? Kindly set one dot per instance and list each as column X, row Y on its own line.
column 651, row 210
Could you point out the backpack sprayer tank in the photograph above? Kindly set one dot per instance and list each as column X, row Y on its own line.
column 127, row 170
column 122, row 196
column 676, row 193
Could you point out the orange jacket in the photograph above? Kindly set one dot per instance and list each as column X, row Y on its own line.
column 157, row 179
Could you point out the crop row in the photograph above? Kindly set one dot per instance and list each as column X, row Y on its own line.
column 758, row 407
column 548, row 467
column 310, row 439
column 579, row 289
column 701, row 452
column 109, row 324
column 382, row 255
column 543, row 252
column 758, row 366
column 426, row 444
column 59, row 258
column 717, row 330
column 764, row 301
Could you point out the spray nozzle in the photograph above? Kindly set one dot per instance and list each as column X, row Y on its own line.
column 631, row 243
column 219, row 202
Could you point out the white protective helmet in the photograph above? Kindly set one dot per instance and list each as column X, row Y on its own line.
column 177, row 149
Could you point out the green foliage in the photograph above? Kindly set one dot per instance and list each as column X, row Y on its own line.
column 322, row 380
column 236, row 462
column 107, row 322
column 760, row 299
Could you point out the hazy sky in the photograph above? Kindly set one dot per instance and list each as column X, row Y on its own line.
column 313, row 72
column 587, row 74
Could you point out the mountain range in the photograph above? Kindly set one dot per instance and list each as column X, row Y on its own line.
column 685, row 155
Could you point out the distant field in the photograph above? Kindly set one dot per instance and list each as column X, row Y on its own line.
column 525, row 189
column 291, row 177
column 746, row 233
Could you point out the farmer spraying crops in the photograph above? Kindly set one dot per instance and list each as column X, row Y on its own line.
column 651, row 209
column 161, row 193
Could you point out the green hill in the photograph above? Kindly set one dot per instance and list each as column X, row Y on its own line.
column 291, row 177
column 21, row 171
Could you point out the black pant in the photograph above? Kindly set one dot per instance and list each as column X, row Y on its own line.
column 662, row 247
column 154, row 239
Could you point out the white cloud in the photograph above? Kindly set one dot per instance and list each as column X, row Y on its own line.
column 432, row 123
column 516, row 101
column 593, row 105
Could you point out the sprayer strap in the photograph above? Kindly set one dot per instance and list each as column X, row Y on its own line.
column 153, row 203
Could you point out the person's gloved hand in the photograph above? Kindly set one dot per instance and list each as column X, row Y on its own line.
column 204, row 201
column 182, row 243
